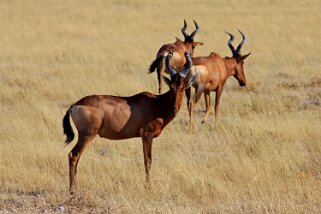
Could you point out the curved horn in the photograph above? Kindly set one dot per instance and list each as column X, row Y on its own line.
column 195, row 31
column 238, row 49
column 171, row 71
column 184, row 30
column 230, row 42
column 187, row 67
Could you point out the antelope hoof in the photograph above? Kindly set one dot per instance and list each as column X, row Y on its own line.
column 73, row 190
column 73, row 195
column 148, row 186
column 147, row 183
column 204, row 120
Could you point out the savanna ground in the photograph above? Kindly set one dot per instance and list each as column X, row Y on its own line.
column 263, row 157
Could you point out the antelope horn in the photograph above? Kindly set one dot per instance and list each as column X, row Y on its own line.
column 184, row 30
column 187, row 67
column 238, row 49
column 230, row 42
column 195, row 31
column 171, row 71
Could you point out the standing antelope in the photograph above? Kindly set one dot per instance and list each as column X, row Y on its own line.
column 143, row 115
column 179, row 47
column 213, row 72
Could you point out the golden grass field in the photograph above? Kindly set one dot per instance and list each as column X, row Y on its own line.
column 264, row 156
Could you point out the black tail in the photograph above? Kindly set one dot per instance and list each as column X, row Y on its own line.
column 67, row 128
column 155, row 63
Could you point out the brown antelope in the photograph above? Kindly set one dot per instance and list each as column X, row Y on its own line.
column 143, row 115
column 179, row 47
column 213, row 72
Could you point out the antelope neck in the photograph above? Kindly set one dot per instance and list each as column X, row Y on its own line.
column 230, row 64
column 164, row 105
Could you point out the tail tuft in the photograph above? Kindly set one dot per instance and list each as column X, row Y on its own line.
column 67, row 128
column 155, row 64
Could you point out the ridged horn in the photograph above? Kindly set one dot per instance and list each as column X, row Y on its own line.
column 185, row 34
column 238, row 49
column 171, row 71
column 195, row 31
column 187, row 67
column 230, row 42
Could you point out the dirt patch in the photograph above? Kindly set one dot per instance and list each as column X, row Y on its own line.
column 39, row 203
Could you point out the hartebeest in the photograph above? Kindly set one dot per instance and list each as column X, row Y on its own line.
column 213, row 72
column 179, row 47
column 143, row 115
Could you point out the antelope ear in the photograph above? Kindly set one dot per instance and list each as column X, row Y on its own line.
column 191, row 80
column 166, row 80
column 197, row 43
column 242, row 58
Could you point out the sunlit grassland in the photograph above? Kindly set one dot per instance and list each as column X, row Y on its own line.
column 263, row 156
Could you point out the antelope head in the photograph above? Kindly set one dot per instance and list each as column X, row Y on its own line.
column 238, row 70
column 177, row 82
column 189, row 39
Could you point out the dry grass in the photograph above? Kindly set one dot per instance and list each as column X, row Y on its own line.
column 264, row 157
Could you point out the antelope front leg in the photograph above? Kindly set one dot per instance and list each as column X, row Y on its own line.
column 147, row 140
column 217, row 103
column 194, row 100
column 191, row 109
column 188, row 96
column 208, row 106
